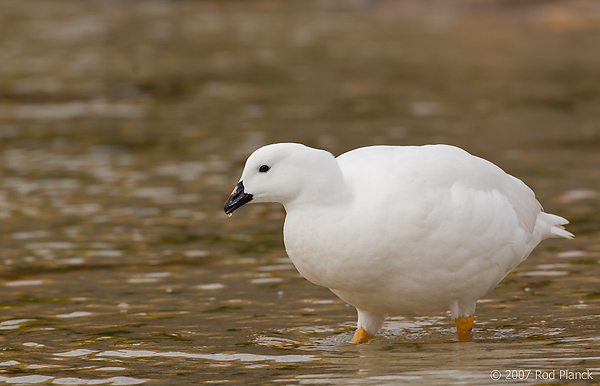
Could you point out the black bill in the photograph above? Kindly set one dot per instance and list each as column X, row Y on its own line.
column 238, row 198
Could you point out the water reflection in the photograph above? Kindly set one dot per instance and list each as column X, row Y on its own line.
column 33, row 379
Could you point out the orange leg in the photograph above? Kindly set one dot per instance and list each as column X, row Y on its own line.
column 360, row 336
column 464, row 325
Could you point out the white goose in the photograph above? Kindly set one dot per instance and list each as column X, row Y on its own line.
column 391, row 229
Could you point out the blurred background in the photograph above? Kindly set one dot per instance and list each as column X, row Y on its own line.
column 124, row 125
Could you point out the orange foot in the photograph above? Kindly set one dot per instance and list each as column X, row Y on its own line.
column 464, row 325
column 360, row 336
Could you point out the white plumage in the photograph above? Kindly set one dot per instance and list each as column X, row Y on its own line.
column 391, row 229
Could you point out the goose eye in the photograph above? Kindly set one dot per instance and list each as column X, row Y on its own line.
column 264, row 169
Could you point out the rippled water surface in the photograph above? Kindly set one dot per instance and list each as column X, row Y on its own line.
column 125, row 125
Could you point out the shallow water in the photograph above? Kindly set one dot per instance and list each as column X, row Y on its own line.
column 123, row 128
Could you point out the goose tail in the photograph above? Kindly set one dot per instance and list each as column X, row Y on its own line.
column 552, row 226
